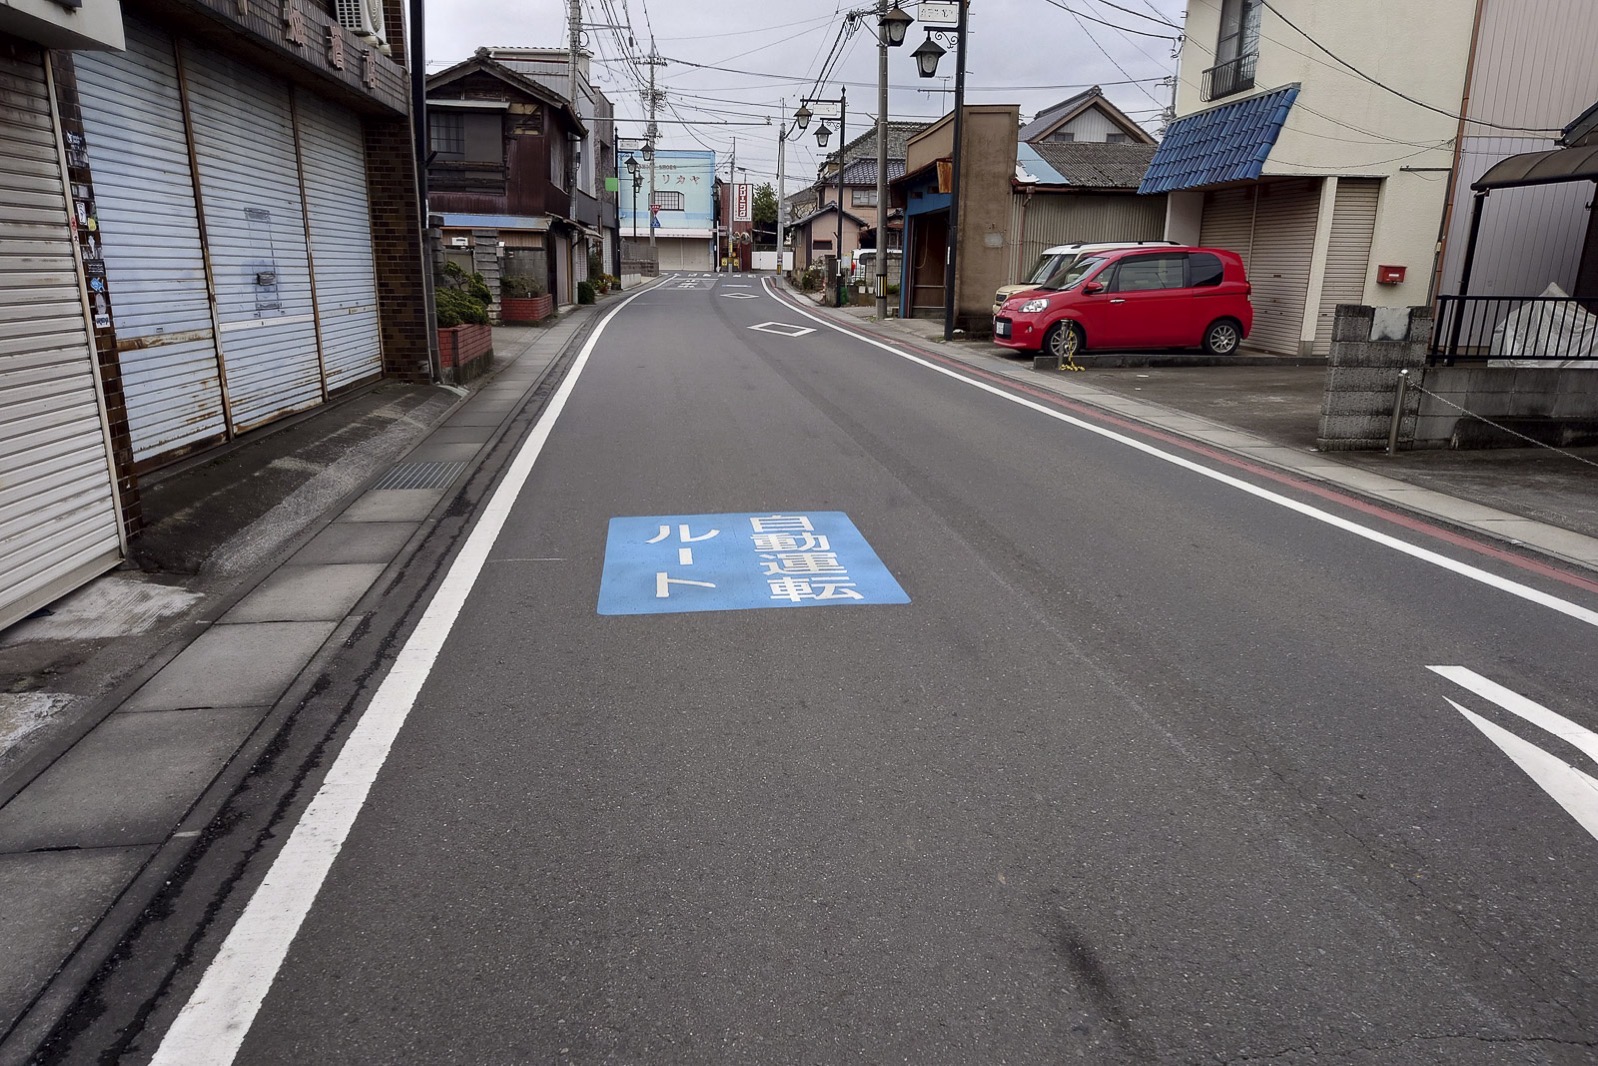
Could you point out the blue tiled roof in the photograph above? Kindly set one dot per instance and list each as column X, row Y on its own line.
column 1226, row 143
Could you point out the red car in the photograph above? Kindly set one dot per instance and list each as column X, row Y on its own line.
column 1133, row 298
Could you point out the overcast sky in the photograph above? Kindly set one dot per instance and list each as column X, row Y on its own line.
column 1028, row 52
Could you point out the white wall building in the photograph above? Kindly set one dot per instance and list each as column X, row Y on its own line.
column 1318, row 140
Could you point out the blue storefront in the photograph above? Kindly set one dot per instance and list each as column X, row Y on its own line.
column 926, row 239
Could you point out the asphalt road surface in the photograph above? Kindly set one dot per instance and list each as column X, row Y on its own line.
column 978, row 731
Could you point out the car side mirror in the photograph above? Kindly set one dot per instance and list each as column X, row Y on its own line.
column 1092, row 287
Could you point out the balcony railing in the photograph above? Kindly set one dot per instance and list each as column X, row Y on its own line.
column 1233, row 76
column 1530, row 330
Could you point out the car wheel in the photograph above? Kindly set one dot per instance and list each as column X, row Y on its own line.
column 1064, row 340
column 1223, row 336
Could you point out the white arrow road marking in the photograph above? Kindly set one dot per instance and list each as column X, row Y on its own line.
column 1572, row 789
column 1576, row 735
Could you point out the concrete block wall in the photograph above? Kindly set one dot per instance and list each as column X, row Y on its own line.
column 1547, row 404
column 1362, row 376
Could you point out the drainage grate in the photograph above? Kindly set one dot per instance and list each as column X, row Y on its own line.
column 420, row 476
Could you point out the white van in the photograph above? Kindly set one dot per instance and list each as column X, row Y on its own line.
column 1057, row 258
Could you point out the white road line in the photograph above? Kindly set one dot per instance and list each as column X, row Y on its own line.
column 212, row 1025
column 1514, row 588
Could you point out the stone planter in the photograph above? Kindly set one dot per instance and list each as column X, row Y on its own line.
column 463, row 350
column 526, row 309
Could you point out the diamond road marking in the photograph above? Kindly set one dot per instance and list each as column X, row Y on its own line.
column 782, row 329
column 739, row 296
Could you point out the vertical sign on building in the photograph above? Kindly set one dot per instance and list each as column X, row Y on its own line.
column 743, row 208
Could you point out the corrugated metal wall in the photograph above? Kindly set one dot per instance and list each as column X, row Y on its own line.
column 255, row 230
column 58, row 513
column 272, row 179
column 341, row 239
column 1278, row 260
column 150, row 238
column 1064, row 218
column 1347, row 253
column 1534, row 71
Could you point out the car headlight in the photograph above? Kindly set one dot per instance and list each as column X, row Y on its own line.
column 1032, row 307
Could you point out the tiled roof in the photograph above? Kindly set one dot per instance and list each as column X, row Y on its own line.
column 1226, row 143
column 865, row 145
column 864, row 172
column 1096, row 164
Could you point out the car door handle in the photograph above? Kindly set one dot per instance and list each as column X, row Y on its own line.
column 1118, row 301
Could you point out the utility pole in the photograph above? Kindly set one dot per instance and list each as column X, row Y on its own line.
column 653, row 132
column 574, row 16
column 949, row 279
column 782, row 185
column 843, row 139
column 882, row 165
column 732, row 200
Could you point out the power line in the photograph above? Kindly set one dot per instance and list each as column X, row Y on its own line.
column 1162, row 20
column 1113, row 61
column 1141, row 33
column 1402, row 95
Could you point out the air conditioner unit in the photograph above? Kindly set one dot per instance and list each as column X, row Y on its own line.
column 364, row 18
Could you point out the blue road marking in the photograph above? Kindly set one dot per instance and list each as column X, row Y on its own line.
column 671, row 564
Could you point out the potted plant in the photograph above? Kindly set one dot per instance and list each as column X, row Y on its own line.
column 464, row 336
column 522, row 299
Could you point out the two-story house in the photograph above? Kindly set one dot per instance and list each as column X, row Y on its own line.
column 1088, row 117
column 814, row 232
column 196, row 200
column 501, row 174
column 594, row 200
column 683, row 215
column 1332, row 145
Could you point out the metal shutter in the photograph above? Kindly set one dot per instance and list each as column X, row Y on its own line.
column 334, row 161
column 1229, row 221
column 1278, row 268
column 255, row 235
column 1347, row 254
column 150, row 238
column 58, row 517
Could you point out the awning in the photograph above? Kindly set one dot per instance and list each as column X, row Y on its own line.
column 1541, row 168
column 1226, row 143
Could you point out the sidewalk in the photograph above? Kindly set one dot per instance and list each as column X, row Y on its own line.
column 1524, row 497
column 108, row 799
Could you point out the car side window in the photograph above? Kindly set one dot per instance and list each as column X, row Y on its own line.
column 1140, row 273
column 1204, row 269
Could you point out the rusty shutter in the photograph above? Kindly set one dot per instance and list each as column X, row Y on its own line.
column 150, row 238
column 58, row 513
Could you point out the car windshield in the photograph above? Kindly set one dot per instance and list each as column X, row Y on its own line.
column 1071, row 273
column 1047, row 265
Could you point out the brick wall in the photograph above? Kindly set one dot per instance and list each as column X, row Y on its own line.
column 397, row 247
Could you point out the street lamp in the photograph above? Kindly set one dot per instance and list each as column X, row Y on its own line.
column 891, row 27
column 638, row 183
column 926, row 57
column 802, row 119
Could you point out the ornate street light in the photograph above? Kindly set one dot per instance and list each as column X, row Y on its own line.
column 822, row 133
column 892, row 27
column 801, row 117
column 927, row 56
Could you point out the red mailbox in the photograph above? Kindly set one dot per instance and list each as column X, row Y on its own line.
column 1389, row 275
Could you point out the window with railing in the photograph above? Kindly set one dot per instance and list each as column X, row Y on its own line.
column 1236, row 49
column 670, row 200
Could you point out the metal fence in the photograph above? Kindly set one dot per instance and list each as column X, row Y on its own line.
column 1230, row 77
column 1528, row 330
